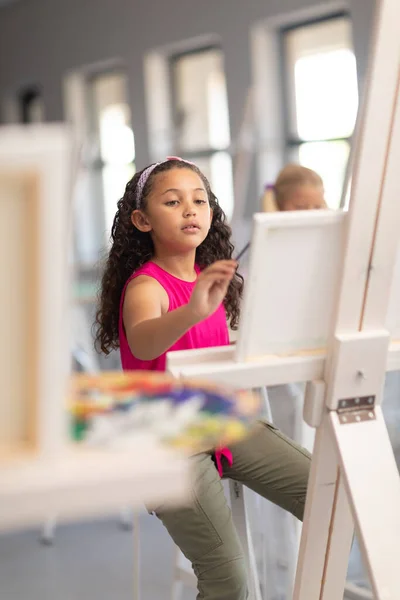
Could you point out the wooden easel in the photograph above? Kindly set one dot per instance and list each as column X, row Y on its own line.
column 342, row 349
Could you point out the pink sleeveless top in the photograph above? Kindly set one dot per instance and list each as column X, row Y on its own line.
column 209, row 333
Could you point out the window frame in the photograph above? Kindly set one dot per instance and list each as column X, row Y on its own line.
column 173, row 59
column 95, row 163
column 205, row 152
column 294, row 142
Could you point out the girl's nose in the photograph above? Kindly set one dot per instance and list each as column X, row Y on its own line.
column 189, row 210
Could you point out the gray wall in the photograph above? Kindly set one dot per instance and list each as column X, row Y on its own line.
column 40, row 40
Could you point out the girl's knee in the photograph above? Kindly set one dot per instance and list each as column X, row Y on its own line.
column 227, row 581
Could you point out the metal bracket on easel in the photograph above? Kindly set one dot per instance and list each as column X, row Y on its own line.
column 356, row 410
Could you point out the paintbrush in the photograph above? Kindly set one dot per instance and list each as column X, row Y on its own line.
column 243, row 251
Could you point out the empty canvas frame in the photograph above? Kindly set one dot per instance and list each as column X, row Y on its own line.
column 292, row 283
column 35, row 187
column 19, row 306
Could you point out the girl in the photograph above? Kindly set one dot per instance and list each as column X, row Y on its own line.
column 170, row 283
column 296, row 188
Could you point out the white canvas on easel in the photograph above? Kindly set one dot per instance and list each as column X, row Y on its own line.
column 288, row 305
column 294, row 271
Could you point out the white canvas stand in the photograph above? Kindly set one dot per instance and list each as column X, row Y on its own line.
column 357, row 471
column 341, row 346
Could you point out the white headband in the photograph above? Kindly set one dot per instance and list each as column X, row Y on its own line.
column 142, row 182
column 148, row 171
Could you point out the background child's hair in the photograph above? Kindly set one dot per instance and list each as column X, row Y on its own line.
column 132, row 248
column 290, row 177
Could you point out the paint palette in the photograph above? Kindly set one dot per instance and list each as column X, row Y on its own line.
column 118, row 408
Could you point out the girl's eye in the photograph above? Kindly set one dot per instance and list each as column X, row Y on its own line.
column 201, row 201
column 171, row 203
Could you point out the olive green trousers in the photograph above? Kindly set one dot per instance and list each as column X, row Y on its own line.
column 267, row 462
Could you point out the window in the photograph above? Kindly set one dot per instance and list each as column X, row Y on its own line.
column 322, row 99
column 201, row 118
column 113, row 146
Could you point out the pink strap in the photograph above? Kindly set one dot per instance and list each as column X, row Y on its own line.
column 226, row 453
column 181, row 159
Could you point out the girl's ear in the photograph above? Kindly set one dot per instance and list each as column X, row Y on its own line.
column 140, row 221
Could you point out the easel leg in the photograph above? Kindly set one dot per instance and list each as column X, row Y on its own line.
column 321, row 574
column 373, row 486
column 340, row 541
column 136, row 556
column 48, row 531
column 238, row 508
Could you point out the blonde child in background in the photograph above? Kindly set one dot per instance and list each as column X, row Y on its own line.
column 296, row 188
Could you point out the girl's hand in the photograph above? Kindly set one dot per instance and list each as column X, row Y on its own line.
column 211, row 288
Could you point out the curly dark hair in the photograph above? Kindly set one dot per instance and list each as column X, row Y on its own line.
column 132, row 248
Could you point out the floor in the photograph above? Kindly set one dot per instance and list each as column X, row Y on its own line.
column 89, row 561
column 93, row 561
